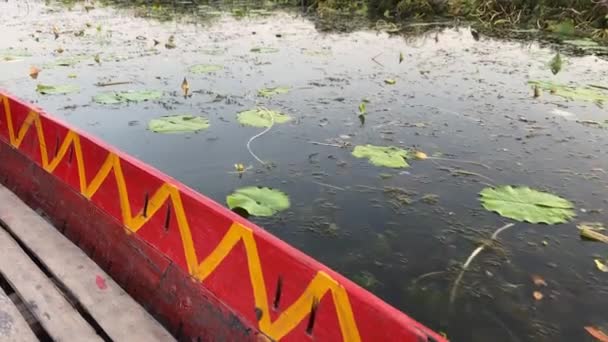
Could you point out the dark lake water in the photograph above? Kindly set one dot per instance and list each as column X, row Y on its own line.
column 454, row 98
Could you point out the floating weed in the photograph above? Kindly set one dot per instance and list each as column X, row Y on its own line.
column 268, row 92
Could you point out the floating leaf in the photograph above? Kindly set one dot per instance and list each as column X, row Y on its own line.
column 601, row 265
column 268, row 92
column 261, row 117
column 258, row 201
column 115, row 97
column 264, row 50
column 590, row 94
column 205, row 68
column 556, row 64
column 56, row 89
column 388, row 156
column 390, row 81
column 595, row 332
column 178, row 124
column 537, row 295
column 525, row 204
column 400, row 57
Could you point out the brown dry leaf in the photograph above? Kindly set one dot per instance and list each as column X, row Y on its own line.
column 537, row 295
column 597, row 333
column 185, row 87
column 34, row 71
column 538, row 280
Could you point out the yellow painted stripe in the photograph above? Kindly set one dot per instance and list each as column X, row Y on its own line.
column 321, row 284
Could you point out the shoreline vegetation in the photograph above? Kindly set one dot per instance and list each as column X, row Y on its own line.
column 558, row 19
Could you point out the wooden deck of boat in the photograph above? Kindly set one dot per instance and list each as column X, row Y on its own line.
column 51, row 291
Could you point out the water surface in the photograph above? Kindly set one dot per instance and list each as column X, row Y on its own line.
column 454, row 97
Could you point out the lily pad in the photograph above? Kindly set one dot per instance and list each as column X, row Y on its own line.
column 261, row 117
column 204, row 68
column 268, row 92
column 589, row 94
column 116, row 97
column 388, row 156
column 258, row 201
column 56, row 89
column 178, row 124
column 525, row 204
column 264, row 50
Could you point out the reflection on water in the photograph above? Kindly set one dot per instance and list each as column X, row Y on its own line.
column 402, row 234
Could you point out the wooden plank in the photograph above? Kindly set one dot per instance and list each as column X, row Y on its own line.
column 115, row 311
column 13, row 326
column 52, row 310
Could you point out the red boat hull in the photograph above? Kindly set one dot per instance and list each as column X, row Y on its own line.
column 203, row 271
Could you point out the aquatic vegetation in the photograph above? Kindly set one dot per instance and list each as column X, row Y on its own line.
column 264, row 50
column 261, row 117
column 388, row 156
column 56, row 89
column 525, row 204
column 556, row 64
column 268, row 92
column 588, row 93
column 258, row 201
column 178, row 124
column 116, row 97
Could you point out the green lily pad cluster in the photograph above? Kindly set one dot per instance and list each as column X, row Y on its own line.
column 178, row 124
column 117, row 97
column 388, row 156
column 525, row 204
column 258, row 201
column 261, row 117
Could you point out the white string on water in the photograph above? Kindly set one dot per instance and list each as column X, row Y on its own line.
column 470, row 260
column 259, row 135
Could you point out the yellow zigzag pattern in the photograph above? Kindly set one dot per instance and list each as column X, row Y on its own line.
column 288, row 319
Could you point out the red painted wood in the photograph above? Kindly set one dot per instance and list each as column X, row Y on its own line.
column 151, row 263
